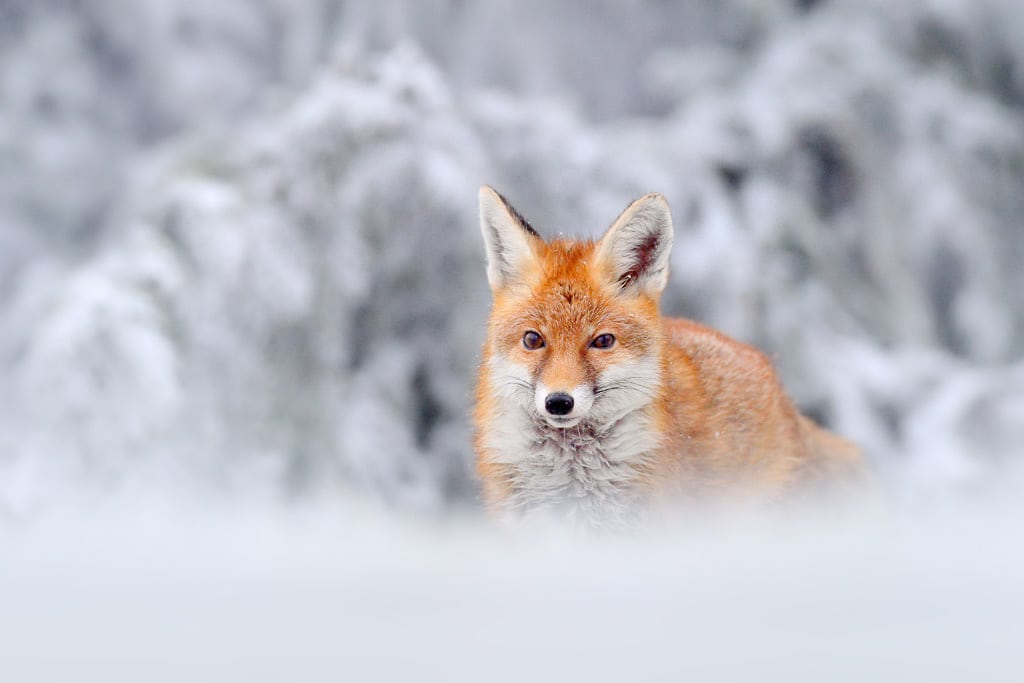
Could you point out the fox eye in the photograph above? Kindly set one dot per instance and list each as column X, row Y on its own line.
column 603, row 341
column 533, row 341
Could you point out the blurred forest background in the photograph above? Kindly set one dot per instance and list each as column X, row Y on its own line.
column 239, row 249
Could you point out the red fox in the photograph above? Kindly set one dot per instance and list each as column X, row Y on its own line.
column 592, row 405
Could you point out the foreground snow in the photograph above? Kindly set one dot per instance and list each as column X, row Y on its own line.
column 264, row 592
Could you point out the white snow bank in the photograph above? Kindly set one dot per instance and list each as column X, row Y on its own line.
column 326, row 592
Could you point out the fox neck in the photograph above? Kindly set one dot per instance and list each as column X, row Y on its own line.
column 591, row 474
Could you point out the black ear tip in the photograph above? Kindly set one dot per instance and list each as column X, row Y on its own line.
column 488, row 191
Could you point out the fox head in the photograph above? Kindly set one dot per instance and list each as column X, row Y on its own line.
column 575, row 333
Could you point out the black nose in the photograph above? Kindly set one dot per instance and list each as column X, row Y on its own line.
column 558, row 403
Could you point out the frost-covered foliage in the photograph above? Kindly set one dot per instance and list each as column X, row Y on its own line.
column 238, row 242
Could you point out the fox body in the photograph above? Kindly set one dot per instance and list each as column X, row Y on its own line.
column 593, row 406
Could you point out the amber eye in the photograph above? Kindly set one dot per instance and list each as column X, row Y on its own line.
column 533, row 341
column 603, row 341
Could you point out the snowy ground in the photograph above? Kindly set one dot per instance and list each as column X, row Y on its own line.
column 322, row 592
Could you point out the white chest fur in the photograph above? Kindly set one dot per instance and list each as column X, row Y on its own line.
column 585, row 474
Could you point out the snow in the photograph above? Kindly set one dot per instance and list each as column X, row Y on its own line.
column 242, row 297
column 322, row 591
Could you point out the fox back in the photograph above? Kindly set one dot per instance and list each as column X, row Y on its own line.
column 592, row 406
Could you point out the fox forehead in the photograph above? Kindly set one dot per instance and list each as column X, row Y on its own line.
column 561, row 292
column 566, row 298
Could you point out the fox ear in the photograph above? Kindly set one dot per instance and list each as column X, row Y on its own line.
column 634, row 252
column 509, row 239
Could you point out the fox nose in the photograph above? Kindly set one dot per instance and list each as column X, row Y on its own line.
column 558, row 403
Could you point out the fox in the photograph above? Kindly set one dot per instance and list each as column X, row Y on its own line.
column 592, row 407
